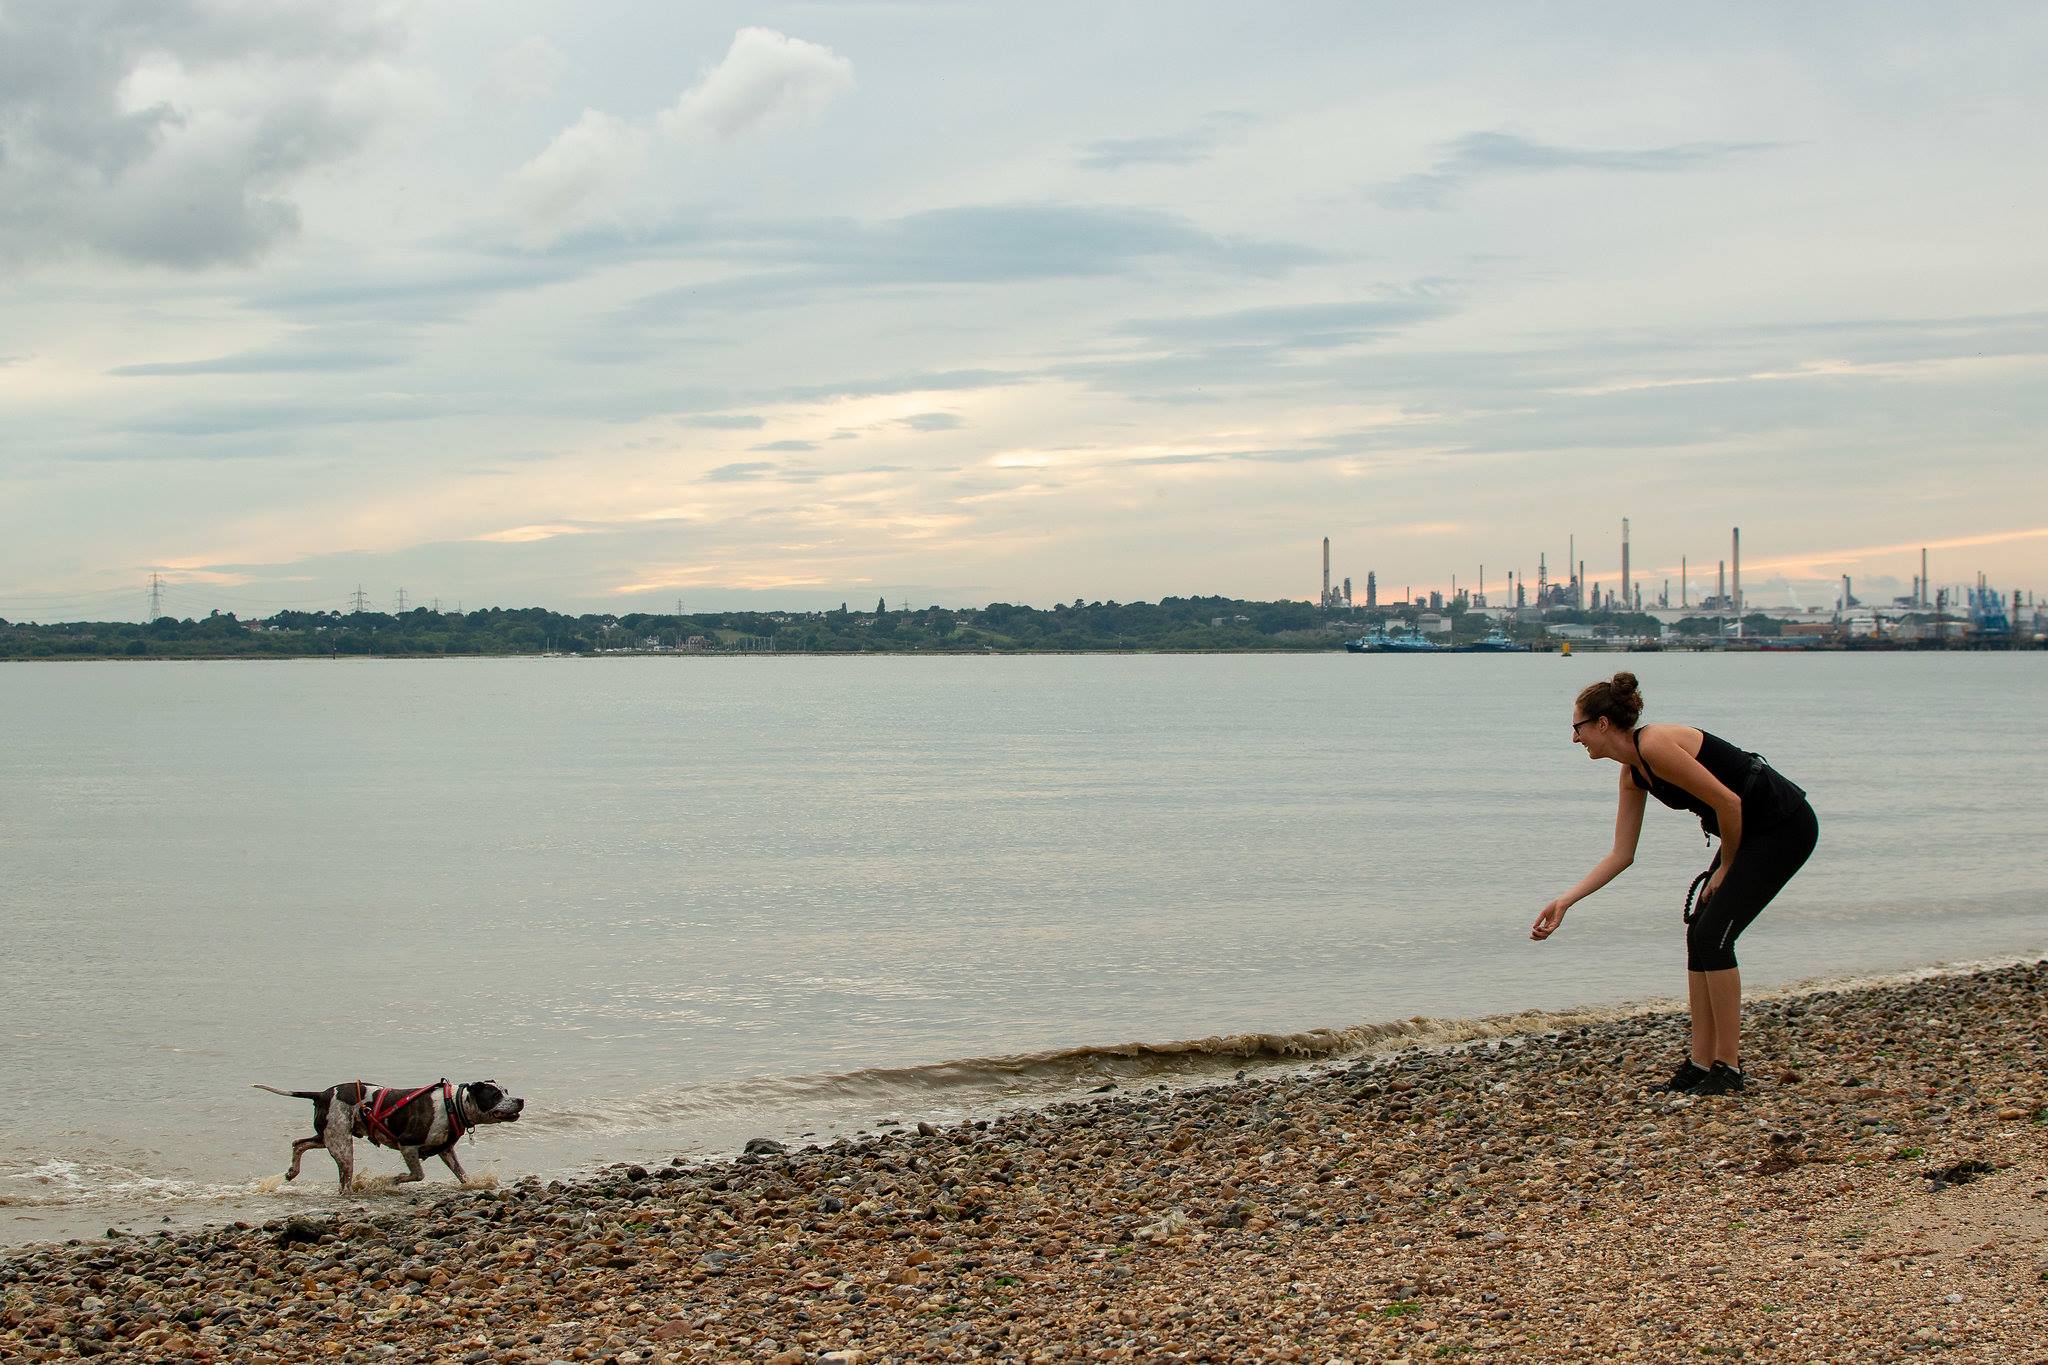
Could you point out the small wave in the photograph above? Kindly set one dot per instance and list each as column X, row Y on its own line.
column 59, row 1182
column 1036, row 1074
column 964, row 1083
column 75, row 1184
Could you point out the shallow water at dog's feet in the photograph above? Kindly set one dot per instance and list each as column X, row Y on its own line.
column 676, row 903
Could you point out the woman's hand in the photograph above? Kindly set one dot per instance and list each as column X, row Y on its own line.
column 1547, row 922
column 1713, row 885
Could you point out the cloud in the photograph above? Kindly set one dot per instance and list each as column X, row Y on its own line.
column 1312, row 326
column 171, row 134
column 227, row 420
column 414, row 294
column 785, row 446
column 962, row 244
column 1196, row 356
column 1825, row 563
column 726, row 422
column 932, row 381
column 743, row 472
column 527, row 72
column 265, row 362
column 933, row 421
column 1166, row 149
column 765, row 80
column 1170, row 149
column 1489, row 155
column 526, row 535
column 580, row 173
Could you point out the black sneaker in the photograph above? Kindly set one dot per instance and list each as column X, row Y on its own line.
column 1723, row 1079
column 1684, row 1080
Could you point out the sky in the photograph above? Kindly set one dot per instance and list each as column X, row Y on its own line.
column 606, row 307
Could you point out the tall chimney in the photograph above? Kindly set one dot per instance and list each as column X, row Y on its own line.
column 1721, row 583
column 1624, row 560
column 1325, row 598
column 1681, row 580
column 1735, row 562
column 1926, row 593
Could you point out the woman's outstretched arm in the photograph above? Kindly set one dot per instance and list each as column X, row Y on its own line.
column 1628, row 830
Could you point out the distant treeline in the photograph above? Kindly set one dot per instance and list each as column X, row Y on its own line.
column 1174, row 623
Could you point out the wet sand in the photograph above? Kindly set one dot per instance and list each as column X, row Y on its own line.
column 1880, row 1193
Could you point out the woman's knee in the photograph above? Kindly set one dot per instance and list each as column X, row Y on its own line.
column 1710, row 944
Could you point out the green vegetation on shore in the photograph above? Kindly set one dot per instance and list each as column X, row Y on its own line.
column 1173, row 623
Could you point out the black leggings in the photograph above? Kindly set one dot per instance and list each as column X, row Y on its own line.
column 1762, row 866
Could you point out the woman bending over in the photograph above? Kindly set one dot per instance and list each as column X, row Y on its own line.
column 1767, row 832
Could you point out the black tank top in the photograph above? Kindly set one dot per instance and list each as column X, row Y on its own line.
column 1732, row 767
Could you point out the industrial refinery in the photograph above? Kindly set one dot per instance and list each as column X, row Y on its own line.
column 1697, row 611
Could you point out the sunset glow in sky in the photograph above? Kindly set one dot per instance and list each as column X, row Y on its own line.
column 601, row 306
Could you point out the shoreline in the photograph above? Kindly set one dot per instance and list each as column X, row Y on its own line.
column 1515, row 1197
column 800, row 1108
column 1547, row 649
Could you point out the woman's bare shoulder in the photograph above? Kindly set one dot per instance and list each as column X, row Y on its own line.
column 1668, row 739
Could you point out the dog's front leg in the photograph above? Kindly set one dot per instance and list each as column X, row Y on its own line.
column 455, row 1165
column 413, row 1169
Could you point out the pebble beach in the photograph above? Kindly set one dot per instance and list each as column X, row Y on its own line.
column 1879, row 1193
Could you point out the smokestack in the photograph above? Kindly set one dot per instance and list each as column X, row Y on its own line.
column 1681, row 580
column 1735, row 562
column 1925, row 591
column 1721, row 583
column 1624, row 560
column 1325, row 598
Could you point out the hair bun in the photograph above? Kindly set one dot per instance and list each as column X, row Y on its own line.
column 1625, row 684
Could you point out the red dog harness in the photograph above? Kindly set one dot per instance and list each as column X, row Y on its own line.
column 383, row 1104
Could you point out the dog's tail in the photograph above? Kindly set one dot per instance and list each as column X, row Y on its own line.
column 288, row 1094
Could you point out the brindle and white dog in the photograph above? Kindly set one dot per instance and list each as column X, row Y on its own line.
column 417, row 1121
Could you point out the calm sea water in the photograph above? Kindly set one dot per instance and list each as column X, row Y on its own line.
column 676, row 902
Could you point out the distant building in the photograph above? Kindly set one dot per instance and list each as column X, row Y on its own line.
column 1429, row 623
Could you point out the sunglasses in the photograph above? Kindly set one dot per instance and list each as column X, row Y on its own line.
column 1587, row 721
